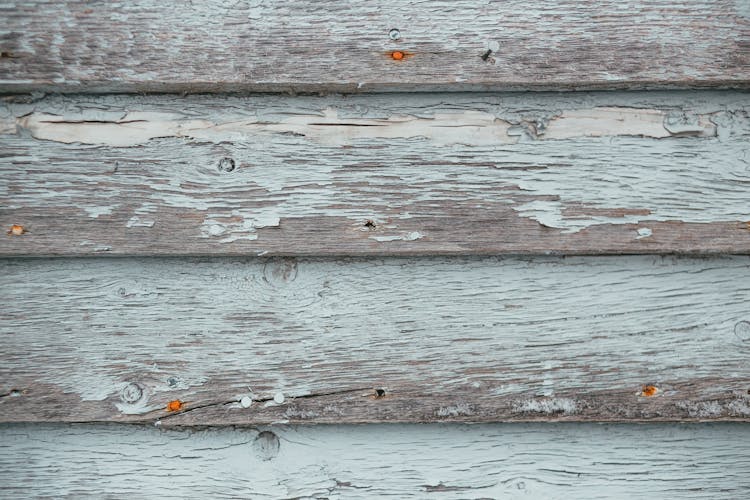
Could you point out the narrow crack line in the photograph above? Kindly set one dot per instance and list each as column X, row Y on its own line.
column 261, row 400
column 198, row 407
column 90, row 122
column 462, row 125
column 332, row 393
column 442, row 488
column 344, row 124
column 557, row 344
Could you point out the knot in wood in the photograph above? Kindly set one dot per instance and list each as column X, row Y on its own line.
column 131, row 393
column 266, row 445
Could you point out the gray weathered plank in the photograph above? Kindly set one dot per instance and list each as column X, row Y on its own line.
column 653, row 172
column 581, row 461
column 444, row 339
column 150, row 45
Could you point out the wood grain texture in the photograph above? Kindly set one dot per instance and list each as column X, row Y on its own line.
column 313, row 340
column 256, row 45
column 406, row 174
column 480, row 461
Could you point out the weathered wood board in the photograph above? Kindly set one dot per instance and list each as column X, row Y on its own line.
column 256, row 45
column 458, row 339
column 583, row 173
column 582, row 461
column 400, row 257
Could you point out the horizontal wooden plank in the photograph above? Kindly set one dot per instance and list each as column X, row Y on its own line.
column 328, row 341
column 583, row 461
column 653, row 172
column 149, row 45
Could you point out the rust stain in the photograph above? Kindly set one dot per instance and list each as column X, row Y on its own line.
column 16, row 230
column 649, row 391
column 175, row 405
column 399, row 55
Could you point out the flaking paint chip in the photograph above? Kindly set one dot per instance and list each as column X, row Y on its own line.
column 644, row 232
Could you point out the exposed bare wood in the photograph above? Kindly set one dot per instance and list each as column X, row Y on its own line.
column 655, row 172
column 627, row 338
column 213, row 45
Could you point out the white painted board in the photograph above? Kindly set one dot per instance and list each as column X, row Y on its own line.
column 378, row 461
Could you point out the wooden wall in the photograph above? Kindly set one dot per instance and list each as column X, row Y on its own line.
column 226, row 222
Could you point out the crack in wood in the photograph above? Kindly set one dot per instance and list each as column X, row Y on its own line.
column 216, row 404
column 481, row 127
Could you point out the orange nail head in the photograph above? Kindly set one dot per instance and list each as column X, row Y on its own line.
column 649, row 390
column 16, row 230
column 397, row 55
column 174, row 405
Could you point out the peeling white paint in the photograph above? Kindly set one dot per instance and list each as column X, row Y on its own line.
column 643, row 232
column 548, row 213
column 412, row 236
column 136, row 221
column 474, row 128
column 603, row 122
column 642, row 175
column 468, row 127
column 94, row 211
column 128, row 131
column 237, row 226
column 548, row 383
